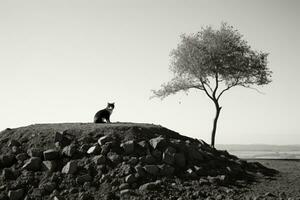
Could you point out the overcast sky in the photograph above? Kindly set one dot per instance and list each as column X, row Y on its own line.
column 62, row 61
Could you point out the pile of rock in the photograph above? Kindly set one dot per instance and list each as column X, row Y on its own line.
column 110, row 166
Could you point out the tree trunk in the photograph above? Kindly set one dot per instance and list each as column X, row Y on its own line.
column 213, row 134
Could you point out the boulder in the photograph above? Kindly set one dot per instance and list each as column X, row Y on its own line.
column 7, row 160
column 16, row 194
column 33, row 164
column 13, row 142
column 51, row 154
column 70, row 167
column 8, row 174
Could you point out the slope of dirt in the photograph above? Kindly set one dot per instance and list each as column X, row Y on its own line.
column 117, row 161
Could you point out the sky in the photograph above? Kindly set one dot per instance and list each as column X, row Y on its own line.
column 62, row 61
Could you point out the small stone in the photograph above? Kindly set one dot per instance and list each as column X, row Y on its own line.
column 48, row 187
column 33, row 164
column 158, row 142
column 22, row 157
column 105, row 139
column 128, row 146
column 70, row 168
column 99, row 160
column 96, row 150
column 115, row 158
column 133, row 161
column 13, row 142
column 16, row 149
column 16, row 194
column 124, row 186
column 8, row 174
column 150, row 186
column 51, row 154
column 130, row 179
column 49, row 165
column 125, row 192
column 58, row 198
column 35, row 152
column 69, row 150
column 151, row 169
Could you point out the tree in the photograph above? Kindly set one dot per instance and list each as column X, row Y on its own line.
column 215, row 61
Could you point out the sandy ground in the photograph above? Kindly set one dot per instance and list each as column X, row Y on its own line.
column 283, row 186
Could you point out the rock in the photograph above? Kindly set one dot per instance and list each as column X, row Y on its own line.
column 128, row 147
column 58, row 198
column 191, row 174
column 150, row 186
column 180, row 160
column 140, row 171
column 61, row 140
column 114, row 158
column 96, row 150
column 16, row 194
column 195, row 154
column 148, row 159
column 151, row 169
column 22, row 157
column 16, row 149
column 125, row 192
column 157, row 155
column 130, row 179
column 7, row 160
column 8, row 174
column 49, row 165
column 105, row 139
column 124, row 186
column 133, row 161
column 166, row 170
column 33, row 164
column 13, row 142
column 35, row 152
column 51, row 154
column 83, row 178
column 85, row 196
column 158, row 142
column 70, row 167
column 125, row 170
column 99, row 160
column 48, row 187
column 168, row 158
column 69, row 150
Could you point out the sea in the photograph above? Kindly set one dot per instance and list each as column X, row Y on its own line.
column 262, row 151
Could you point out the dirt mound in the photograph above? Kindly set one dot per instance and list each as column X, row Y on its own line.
column 116, row 161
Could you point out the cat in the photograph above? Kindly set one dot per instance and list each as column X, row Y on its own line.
column 102, row 116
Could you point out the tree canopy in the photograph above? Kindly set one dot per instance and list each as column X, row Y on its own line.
column 215, row 61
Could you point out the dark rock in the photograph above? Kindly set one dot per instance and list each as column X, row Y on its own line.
column 61, row 140
column 168, row 158
column 130, row 179
column 148, row 159
column 85, row 196
column 166, row 170
column 133, row 161
column 70, row 167
column 114, row 158
column 140, row 171
column 33, row 164
column 83, row 178
column 150, row 186
column 7, row 160
column 51, row 154
column 47, row 187
column 16, row 194
column 151, row 169
column 13, row 142
column 180, row 160
column 8, row 174
column 99, row 160
column 35, row 152
column 128, row 147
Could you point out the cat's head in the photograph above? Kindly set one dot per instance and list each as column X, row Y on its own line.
column 110, row 106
